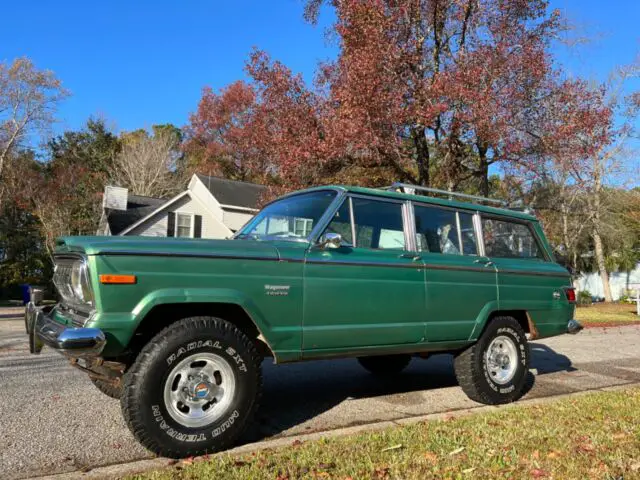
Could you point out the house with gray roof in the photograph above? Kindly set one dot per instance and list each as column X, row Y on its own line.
column 210, row 207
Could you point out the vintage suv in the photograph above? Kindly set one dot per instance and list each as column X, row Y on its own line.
column 177, row 328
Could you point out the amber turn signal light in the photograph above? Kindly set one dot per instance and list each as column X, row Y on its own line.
column 118, row 279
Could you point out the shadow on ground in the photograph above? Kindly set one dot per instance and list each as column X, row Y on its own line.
column 299, row 392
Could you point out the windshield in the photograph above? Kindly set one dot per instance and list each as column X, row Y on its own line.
column 290, row 218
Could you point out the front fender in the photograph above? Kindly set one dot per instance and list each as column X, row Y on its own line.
column 199, row 295
column 119, row 327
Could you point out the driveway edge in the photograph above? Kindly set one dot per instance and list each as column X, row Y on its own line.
column 139, row 466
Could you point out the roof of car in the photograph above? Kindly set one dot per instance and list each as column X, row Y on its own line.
column 425, row 199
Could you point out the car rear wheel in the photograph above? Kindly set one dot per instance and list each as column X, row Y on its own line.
column 193, row 388
column 385, row 365
column 494, row 370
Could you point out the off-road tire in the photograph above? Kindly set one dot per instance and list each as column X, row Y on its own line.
column 385, row 365
column 143, row 405
column 110, row 390
column 472, row 371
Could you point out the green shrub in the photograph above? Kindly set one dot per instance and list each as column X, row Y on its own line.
column 584, row 297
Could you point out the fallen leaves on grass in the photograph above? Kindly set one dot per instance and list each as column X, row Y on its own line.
column 431, row 457
column 393, row 447
column 538, row 473
column 381, row 472
column 456, row 451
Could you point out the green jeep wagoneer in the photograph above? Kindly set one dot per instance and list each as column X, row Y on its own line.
column 177, row 328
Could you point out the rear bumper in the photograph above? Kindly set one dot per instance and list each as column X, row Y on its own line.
column 574, row 327
column 74, row 342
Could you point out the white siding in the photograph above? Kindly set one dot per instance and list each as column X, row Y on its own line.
column 156, row 226
column 235, row 220
column 618, row 281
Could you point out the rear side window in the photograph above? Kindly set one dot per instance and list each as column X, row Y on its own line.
column 445, row 231
column 504, row 239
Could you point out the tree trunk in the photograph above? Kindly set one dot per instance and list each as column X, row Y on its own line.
column 602, row 268
column 595, row 233
column 483, row 171
column 421, row 145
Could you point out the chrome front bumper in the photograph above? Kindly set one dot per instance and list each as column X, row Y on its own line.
column 574, row 327
column 74, row 342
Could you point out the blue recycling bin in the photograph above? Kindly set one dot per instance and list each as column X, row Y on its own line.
column 26, row 293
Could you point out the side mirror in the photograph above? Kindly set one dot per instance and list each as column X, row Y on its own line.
column 330, row 240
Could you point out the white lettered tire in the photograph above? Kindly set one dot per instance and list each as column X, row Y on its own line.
column 193, row 388
column 494, row 370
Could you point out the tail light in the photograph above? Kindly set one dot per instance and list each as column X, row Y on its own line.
column 571, row 294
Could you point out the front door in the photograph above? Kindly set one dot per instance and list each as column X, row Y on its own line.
column 368, row 292
column 461, row 285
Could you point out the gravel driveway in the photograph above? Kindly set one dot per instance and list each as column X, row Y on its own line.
column 53, row 420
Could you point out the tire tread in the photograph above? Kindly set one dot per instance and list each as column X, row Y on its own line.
column 129, row 403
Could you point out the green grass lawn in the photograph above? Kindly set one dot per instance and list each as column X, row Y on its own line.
column 607, row 313
column 591, row 436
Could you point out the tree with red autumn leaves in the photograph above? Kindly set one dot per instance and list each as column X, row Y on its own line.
column 431, row 92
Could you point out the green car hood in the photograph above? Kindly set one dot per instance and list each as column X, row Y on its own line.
column 166, row 246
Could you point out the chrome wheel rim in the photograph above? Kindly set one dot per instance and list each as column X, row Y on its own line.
column 199, row 389
column 501, row 359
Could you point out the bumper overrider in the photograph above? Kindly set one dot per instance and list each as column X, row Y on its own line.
column 574, row 327
column 73, row 342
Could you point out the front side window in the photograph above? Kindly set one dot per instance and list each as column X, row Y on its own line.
column 445, row 231
column 341, row 224
column 504, row 239
column 183, row 225
column 377, row 224
column 290, row 218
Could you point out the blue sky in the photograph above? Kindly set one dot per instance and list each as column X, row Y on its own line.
column 142, row 62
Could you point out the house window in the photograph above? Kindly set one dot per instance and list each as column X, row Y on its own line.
column 303, row 226
column 183, row 225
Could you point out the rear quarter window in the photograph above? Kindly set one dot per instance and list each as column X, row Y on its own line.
column 507, row 239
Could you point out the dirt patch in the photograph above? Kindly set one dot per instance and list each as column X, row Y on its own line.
column 610, row 324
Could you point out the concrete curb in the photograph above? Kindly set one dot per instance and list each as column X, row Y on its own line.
column 139, row 466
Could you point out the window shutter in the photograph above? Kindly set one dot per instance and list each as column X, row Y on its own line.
column 171, row 224
column 197, row 226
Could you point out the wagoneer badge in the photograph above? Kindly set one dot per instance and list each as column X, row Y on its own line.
column 277, row 290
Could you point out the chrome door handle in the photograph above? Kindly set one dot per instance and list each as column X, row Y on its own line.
column 411, row 256
column 484, row 262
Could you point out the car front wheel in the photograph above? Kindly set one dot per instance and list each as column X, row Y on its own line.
column 109, row 389
column 193, row 388
column 494, row 370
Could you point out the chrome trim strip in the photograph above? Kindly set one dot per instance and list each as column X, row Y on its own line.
column 477, row 222
column 349, row 263
column 337, row 262
column 352, row 219
column 459, row 228
column 326, row 217
column 129, row 253
column 410, row 227
column 537, row 273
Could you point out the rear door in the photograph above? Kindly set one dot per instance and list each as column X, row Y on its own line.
column 528, row 279
column 461, row 285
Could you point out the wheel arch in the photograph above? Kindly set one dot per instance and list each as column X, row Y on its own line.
column 162, row 308
column 521, row 316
